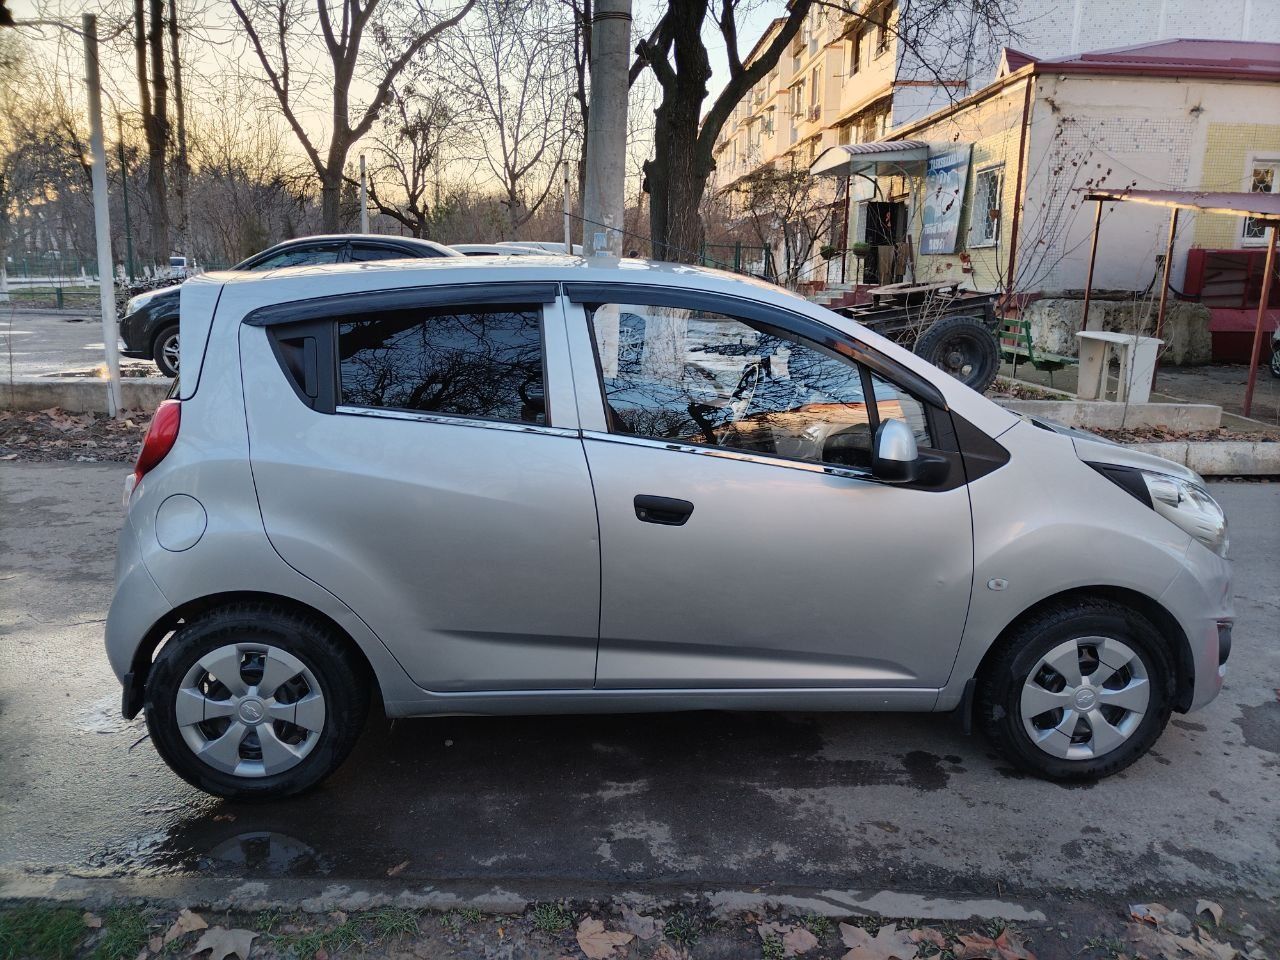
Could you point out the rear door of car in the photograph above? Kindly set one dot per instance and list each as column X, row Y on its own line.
column 416, row 453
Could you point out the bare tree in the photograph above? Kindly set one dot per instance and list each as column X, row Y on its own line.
column 784, row 206
column 511, row 73
column 683, row 137
column 278, row 32
column 408, row 150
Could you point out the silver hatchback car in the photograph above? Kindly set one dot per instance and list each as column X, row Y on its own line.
column 550, row 485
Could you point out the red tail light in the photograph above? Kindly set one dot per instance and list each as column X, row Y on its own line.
column 160, row 437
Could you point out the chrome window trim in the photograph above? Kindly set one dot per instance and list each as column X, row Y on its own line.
column 511, row 426
column 728, row 453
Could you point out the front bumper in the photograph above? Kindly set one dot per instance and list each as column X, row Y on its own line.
column 1200, row 599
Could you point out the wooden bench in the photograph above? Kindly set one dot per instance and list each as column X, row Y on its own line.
column 1015, row 346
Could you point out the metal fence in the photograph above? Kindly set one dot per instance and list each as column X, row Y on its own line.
column 57, row 283
column 737, row 257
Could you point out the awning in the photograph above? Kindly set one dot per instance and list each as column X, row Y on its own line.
column 847, row 158
column 1263, row 206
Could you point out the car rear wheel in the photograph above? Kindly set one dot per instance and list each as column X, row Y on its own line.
column 255, row 702
column 1078, row 691
column 1275, row 362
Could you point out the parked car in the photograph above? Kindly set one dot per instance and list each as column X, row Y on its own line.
column 494, row 250
column 1275, row 352
column 149, row 328
column 462, row 486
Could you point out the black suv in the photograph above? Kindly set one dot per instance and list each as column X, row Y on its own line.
column 149, row 327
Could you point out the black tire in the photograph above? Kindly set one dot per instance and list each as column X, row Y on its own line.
column 164, row 350
column 342, row 674
column 1274, row 365
column 1009, row 664
column 963, row 347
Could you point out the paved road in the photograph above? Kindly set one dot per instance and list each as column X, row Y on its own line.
column 798, row 800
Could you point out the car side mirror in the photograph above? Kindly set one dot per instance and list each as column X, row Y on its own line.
column 894, row 455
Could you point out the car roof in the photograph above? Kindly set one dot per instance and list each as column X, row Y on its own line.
column 494, row 249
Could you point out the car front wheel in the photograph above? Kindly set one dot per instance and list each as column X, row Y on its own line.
column 164, row 351
column 1078, row 691
column 255, row 701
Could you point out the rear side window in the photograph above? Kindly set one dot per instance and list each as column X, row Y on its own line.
column 300, row 257
column 483, row 362
column 362, row 254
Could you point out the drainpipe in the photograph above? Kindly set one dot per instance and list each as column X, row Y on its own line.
column 1019, row 187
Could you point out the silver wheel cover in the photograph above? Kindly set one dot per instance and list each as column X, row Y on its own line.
column 1084, row 698
column 169, row 349
column 250, row 709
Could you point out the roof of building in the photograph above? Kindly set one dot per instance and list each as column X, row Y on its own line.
column 765, row 36
column 1219, row 59
column 1011, row 60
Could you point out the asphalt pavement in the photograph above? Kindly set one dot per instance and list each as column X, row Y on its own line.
column 759, row 801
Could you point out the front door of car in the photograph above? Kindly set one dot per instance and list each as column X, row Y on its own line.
column 415, row 452
column 744, row 541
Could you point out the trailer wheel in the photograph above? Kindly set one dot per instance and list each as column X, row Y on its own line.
column 964, row 347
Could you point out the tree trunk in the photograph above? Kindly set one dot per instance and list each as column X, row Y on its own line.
column 156, row 124
column 179, row 109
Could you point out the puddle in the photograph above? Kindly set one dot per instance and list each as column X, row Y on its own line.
column 104, row 716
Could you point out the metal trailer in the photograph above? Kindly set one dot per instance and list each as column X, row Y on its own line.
column 954, row 329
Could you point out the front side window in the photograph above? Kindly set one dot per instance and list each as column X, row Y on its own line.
column 705, row 378
column 484, row 362
column 362, row 253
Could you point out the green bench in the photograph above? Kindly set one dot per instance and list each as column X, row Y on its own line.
column 1015, row 346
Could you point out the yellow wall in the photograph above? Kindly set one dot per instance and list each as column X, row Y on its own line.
column 1228, row 146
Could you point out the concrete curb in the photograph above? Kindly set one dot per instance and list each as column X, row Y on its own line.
column 81, row 394
column 1219, row 458
column 1109, row 415
column 323, row 896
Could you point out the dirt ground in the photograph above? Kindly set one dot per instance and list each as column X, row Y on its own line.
column 1075, row 930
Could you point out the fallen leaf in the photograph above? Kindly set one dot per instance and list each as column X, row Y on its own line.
column 1176, row 922
column 889, row 944
column 974, row 946
column 397, row 869
column 156, row 944
column 597, row 942
column 222, row 943
column 142, row 954
column 667, row 951
column 646, row 928
column 1213, row 909
column 928, row 935
column 1152, row 913
column 797, row 942
column 1010, row 947
column 187, row 922
column 92, row 920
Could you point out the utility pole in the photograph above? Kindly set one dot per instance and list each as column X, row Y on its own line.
column 568, row 226
column 101, row 216
column 124, row 193
column 604, row 200
column 364, row 198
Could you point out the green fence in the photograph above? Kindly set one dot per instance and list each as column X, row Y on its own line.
column 737, row 257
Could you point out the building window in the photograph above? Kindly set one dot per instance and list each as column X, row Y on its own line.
column 883, row 36
column 984, row 221
column 815, row 92
column 855, row 53
column 1264, row 178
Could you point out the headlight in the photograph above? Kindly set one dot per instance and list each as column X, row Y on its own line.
column 142, row 299
column 1189, row 506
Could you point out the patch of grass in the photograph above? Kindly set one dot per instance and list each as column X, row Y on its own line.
column 772, row 948
column 346, row 934
column 268, row 920
column 551, row 917
column 682, row 928
column 1110, row 947
column 124, row 934
column 45, row 933
column 392, row 921
column 820, row 927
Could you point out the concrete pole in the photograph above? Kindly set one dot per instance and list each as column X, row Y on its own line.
column 603, row 200
column 101, row 217
column 364, row 198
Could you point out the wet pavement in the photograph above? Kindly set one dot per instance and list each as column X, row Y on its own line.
column 808, row 801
